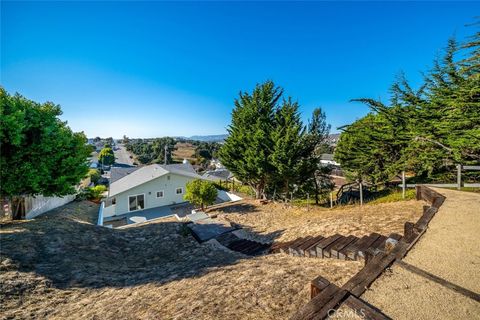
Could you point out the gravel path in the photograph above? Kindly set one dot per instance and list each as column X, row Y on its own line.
column 449, row 249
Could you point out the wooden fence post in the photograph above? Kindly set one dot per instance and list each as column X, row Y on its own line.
column 403, row 185
column 459, row 176
column 361, row 193
column 331, row 199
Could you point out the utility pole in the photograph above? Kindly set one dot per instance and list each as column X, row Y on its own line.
column 166, row 150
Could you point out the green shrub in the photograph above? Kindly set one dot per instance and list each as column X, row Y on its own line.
column 94, row 175
column 92, row 193
column 393, row 196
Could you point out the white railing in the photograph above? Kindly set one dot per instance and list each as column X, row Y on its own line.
column 100, row 214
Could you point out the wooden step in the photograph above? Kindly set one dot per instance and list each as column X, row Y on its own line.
column 302, row 249
column 227, row 238
column 260, row 249
column 324, row 243
column 327, row 250
column 293, row 250
column 312, row 250
column 236, row 244
column 249, row 246
column 339, row 245
column 395, row 236
column 367, row 244
column 350, row 249
column 286, row 248
column 379, row 243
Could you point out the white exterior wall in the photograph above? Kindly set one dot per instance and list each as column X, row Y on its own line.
column 227, row 196
column 149, row 189
column 37, row 205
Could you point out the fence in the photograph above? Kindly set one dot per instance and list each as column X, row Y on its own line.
column 457, row 185
column 100, row 214
column 35, row 206
column 326, row 297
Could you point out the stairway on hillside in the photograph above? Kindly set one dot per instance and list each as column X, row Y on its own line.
column 336, row 246
column 247, row 247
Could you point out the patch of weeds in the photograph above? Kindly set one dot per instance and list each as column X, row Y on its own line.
column 393, row 196
column 184, row 230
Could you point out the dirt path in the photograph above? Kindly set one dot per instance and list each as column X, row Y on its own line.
column 450, row 250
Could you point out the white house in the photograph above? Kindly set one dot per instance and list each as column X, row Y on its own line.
column 147, row 191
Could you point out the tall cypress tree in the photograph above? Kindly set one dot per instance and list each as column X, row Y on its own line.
column 247, row 149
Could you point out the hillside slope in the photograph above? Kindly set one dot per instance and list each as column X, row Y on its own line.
column 63, row 266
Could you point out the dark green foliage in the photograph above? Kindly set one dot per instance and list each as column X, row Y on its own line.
column 268, row 146
column 206, row 150
column 92, row 193
column 314, row 178
column 39, row 153
column 94, row 175
column 247, row 149
column 106, row 156
column 425, row 131
column 152, row 151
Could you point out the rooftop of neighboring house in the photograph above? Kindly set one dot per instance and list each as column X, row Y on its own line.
column 122, row 179
column 218, row 174
column 327, row 156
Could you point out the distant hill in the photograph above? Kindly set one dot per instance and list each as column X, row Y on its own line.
column 332, row 138
column 210, row 138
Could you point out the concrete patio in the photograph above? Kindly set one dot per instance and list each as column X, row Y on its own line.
column 180, row 210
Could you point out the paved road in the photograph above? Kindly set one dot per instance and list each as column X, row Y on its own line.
column 122, row 157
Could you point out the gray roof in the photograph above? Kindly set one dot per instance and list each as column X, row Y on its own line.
column 150, row 172
column 117, row 173
column 327, row 156
column 218, row 174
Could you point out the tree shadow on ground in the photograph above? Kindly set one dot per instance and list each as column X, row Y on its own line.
column 72, row 253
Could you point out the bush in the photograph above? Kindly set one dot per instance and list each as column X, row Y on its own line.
column 94, row 175
column 200, row 193
column 90, row 193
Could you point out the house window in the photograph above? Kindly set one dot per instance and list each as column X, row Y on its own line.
column 136, row 202
column 114, row 201
column 179, row 191
column 160, row 194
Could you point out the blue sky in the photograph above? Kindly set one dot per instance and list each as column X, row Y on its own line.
column 151, row 69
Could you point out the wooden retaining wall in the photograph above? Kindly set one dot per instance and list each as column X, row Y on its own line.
column 327, row 297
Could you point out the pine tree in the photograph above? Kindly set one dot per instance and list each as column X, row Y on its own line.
column 247, row 149
column 287, row 151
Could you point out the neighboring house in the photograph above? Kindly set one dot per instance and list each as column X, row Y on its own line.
column 327, row 159
column 99, row 146
column 215, row 163
column 218, row 175
column 141, row 188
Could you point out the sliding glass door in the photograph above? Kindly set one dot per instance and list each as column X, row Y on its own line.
column 136, row 202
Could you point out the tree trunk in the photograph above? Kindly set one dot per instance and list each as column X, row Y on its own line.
column 17, row 208
column 316, row 189
column 259, row 190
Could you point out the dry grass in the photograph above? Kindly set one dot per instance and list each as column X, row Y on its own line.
column 62, row 266
column 184, row 150
column 279, row 222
